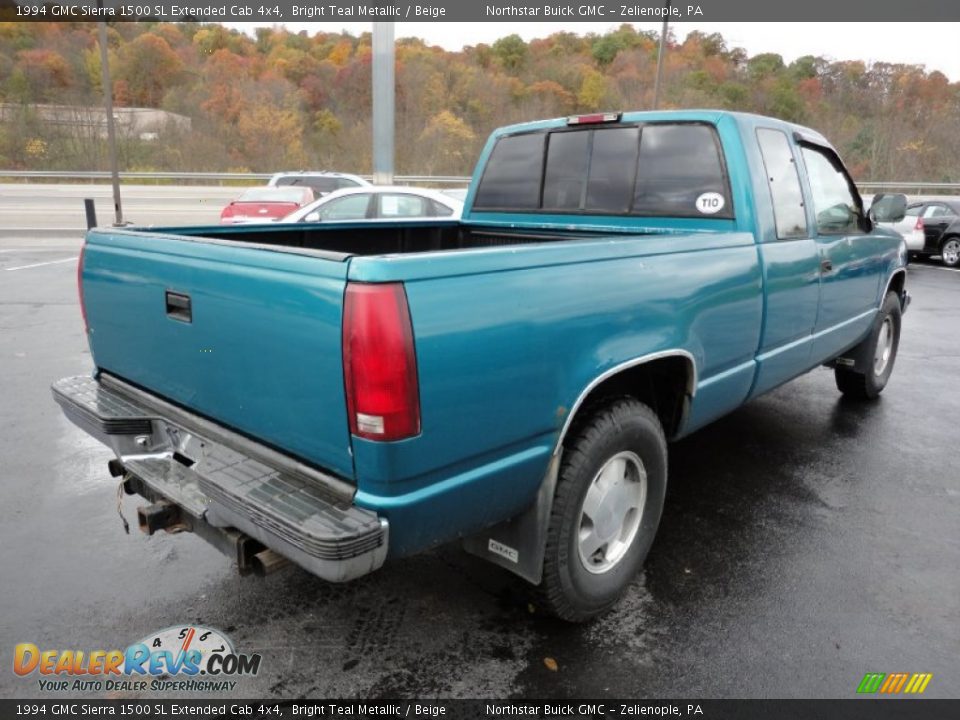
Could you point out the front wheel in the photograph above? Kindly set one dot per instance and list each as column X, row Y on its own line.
column 606, row 509
column 950, row 252
column 881, row 349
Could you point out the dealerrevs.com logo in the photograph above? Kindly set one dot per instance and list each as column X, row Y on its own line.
column 179, row 659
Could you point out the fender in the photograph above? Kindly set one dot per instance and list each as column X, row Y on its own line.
column 519, row 544
column 860, row 356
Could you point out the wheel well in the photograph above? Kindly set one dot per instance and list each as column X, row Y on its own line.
column 896, row 284
column 951, row 236
column 662, row 384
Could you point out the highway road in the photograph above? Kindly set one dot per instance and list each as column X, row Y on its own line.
column 40, row 210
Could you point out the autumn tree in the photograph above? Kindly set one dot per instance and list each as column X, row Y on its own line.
column 148, row 68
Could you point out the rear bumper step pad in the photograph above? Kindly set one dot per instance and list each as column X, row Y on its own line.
column 228, row 486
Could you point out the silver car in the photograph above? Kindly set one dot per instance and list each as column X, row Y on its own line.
column 381, row 202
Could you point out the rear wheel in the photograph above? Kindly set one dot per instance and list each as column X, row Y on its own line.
column 950, row 252
column 881, row 348
column 606, row 509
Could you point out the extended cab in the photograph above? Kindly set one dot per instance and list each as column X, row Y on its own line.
column 337, row 394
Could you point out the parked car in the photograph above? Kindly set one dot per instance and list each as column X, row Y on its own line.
column 941, row 229
column 265, row 204
column 321, row 182
column 378, row 203
column 511, row 378
column 923, row 226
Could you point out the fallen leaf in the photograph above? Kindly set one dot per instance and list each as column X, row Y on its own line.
column 551, row 664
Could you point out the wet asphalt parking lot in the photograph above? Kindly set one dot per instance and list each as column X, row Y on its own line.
column 805, row 542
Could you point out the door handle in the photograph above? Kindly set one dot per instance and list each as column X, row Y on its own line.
column 179, row 307
column 826, row 266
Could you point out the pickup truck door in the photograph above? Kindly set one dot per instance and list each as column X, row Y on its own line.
column 850, row 263
column 790, row 260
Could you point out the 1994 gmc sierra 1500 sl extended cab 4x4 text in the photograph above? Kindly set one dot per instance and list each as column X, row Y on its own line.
column 336, row 394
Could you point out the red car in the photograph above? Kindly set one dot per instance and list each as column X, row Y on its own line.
column 265, row 204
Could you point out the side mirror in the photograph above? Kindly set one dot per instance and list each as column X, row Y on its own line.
column 888, row 207
column 312, row 216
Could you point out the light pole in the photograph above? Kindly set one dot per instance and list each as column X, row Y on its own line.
column 111, row 134
column 383, row 103
column 660, row 55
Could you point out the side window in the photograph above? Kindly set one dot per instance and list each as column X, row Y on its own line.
column 352, row 207
column 784, row 181
column 393, row 206
column 934, row 211
column 833, row 202
column 680, row 173
column 511, row 178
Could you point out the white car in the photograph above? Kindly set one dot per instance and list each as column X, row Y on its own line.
column 321, row 182
column 378, row 203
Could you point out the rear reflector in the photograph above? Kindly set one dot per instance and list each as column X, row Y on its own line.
column 919, row 225
column 592, row 119
column 379, row 362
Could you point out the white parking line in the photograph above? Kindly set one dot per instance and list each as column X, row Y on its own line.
column 37, row 249
column 52, row 262
column 936, row 267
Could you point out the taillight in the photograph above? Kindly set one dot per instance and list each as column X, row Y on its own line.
column 380, row 363
column 83, row 306
column 919, row 225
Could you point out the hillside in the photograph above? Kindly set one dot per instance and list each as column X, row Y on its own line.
column 283, row 100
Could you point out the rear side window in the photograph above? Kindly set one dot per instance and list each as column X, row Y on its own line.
column 402, row 206
column 511, row 179
column 441, row 210
column 667, row 170
column 784, row 181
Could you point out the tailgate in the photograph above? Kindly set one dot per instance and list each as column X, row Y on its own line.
column 246, row 336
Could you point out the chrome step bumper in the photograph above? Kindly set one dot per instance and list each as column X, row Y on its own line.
column 222, row 479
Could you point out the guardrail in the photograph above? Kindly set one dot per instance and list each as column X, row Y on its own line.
column 909, row 187
column 205, row 177
column 915, row 188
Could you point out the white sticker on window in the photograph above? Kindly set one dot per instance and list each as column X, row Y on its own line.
column 710, row 203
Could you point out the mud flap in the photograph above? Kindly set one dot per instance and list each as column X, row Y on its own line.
column 518, row 544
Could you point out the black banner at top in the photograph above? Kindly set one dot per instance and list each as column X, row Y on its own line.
column 334, row 11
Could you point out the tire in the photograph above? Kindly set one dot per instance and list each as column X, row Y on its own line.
column 881, row 347
column 592, row 551
column 950, row 251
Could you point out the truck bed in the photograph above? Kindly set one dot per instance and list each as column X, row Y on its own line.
column 371, row 239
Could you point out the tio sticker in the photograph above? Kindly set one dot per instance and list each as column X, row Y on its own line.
column 710, row 203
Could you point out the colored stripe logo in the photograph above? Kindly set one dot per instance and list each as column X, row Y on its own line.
column 894, row 683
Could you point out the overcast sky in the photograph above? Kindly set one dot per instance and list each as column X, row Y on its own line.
column 934, row 45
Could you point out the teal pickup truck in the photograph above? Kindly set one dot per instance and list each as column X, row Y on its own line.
column 337, row 394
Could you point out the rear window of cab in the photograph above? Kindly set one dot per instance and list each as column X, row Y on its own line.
column 656, row 169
